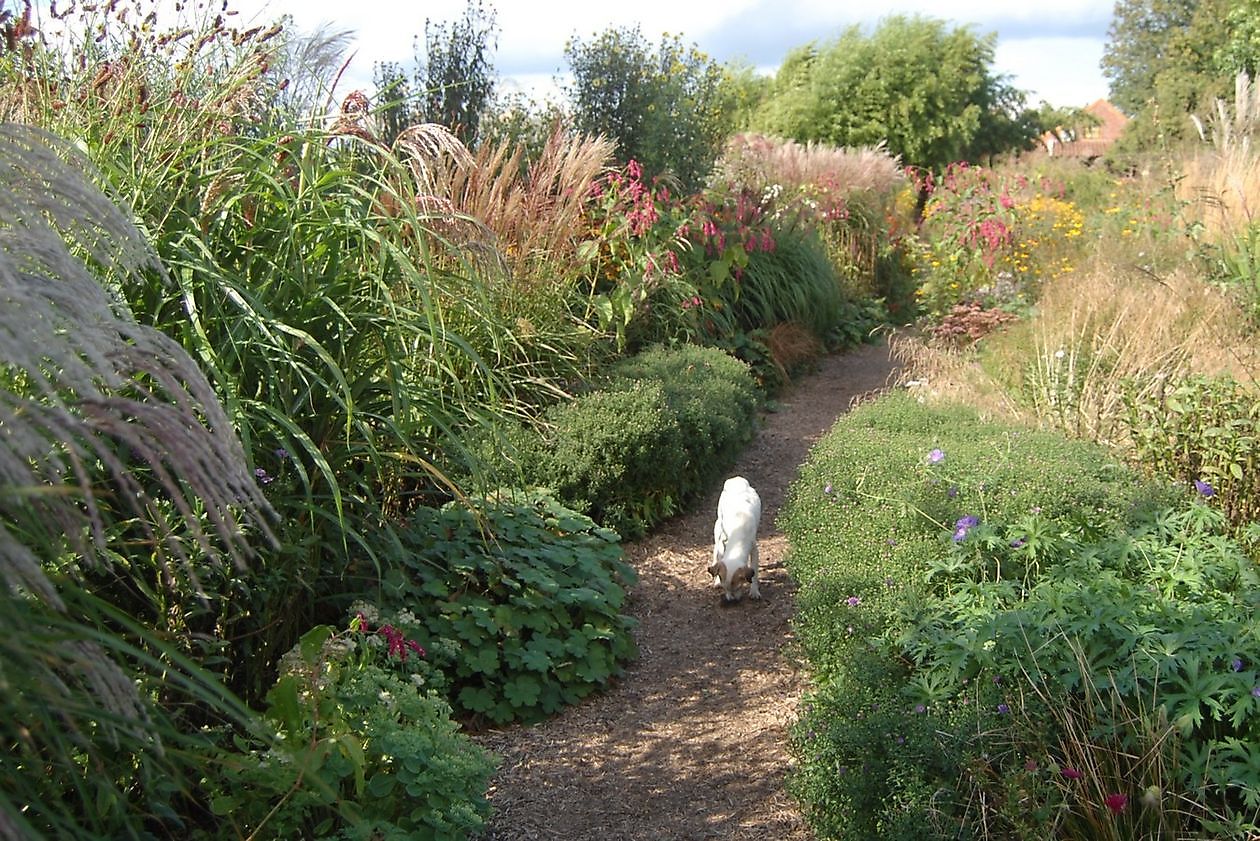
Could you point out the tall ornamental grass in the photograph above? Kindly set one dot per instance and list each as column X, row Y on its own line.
column 110, row 437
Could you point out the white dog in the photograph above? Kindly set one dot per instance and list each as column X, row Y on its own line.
column 735, row 538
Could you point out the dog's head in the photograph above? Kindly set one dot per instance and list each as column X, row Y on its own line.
column 731, row 575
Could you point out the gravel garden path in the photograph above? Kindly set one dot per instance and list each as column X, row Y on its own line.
column 691, row 742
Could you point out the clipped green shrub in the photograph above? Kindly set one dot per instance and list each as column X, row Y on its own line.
column 963, row 583
column 714, row 399
column 366, row 748
column 518, row 603
column 647, row 441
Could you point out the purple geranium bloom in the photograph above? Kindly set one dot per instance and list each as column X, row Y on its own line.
column 1204, row 488
column 1255, row 692
column 1003, row 709
column 936, row 456
column 1237, row 664
column 964, row 525
column 827, row 489
column 1018, row 542
column 853, row 601
column 261, row 476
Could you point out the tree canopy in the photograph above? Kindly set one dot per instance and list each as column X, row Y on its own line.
column 669, row 107
column 1163, row 58
column 453, row 80
column 925, row 89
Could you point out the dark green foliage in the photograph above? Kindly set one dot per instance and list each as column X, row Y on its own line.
column 637, row 449
column 1161, row 58
column 925, row 89
column 669, row 107
column 714, row 399
column 366, row 750
column 517, row 602
column 617, row 454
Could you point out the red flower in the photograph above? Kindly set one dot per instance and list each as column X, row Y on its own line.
column 1116, row 802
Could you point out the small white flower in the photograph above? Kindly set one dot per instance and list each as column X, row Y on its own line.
column 1060, row 353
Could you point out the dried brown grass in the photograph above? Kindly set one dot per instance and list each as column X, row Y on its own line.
column 1221, row 189
column 534, row 211
column 1096, row 333
column 792, row 346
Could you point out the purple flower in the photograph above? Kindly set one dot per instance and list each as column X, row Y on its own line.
column 1003, row 709
column 853, row 601
column 1071, row 773
column 827, row 489
column 1018, row 542
column 919, row 708
column 261, row 476
column 1237, row 664
column 952, row 491
column 1255, row 692
column 281, row 453
column 936, row 456
column 964, row 525
column 1204, row 488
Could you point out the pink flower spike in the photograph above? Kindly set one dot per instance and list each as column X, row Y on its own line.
column 1116, row 802
column 1070, row 773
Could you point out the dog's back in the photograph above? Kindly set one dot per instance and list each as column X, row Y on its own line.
column 735, row 537
column 739, row 513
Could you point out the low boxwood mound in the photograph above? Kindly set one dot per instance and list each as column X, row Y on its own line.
column 1013, row 636
column 642, row 443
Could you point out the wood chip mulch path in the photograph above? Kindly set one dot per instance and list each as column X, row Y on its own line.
column 691, row 742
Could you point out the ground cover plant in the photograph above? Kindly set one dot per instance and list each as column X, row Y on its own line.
column 517, row 602
column 1002, row 647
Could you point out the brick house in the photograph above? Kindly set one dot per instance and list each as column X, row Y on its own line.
column 1088, row 142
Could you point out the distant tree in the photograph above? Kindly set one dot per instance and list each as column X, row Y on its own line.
column 669, row 107
column 1163, row 60
column 452, row 82
column 1241, row 51
column 924, row 89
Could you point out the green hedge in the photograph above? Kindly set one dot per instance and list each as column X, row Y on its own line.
column 1013, row 636
column 645, row 441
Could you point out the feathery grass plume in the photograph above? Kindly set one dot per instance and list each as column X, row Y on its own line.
column 102, row 421
column 758, row 162
column 535, row 212
column 85, row 382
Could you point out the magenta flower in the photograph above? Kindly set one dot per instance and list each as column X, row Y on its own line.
column 936, row 456
column 1116, row 802
column 1070, row 773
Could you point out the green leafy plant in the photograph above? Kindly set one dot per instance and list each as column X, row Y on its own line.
column 518, row 602
column 959, row 594
column 366, row 749
column 1202, row 431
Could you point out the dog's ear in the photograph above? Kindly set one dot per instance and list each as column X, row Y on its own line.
column 715, row 568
